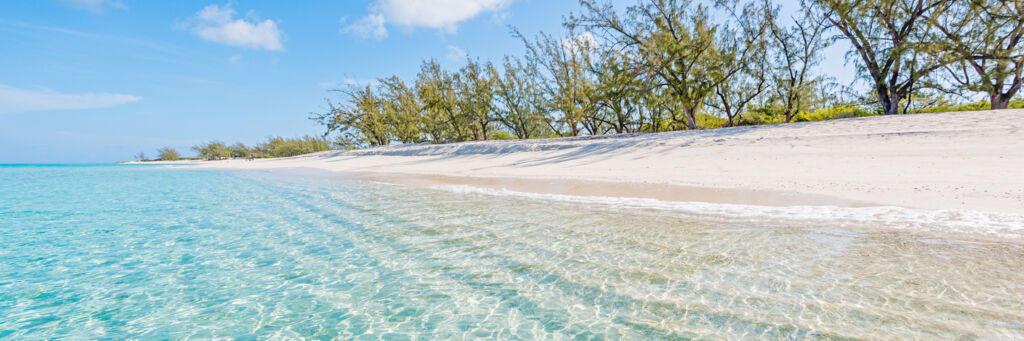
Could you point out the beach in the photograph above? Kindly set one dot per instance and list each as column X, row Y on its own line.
column 963, row 160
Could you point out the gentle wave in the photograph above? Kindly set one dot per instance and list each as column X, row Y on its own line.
column 1003, row 225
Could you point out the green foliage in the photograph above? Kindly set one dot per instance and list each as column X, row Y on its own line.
column 502, row 135
column 1017, row 103
column 167, row 154
column 980, row 39
column 401, row 108
column 758, row 115
column 520, row 104
column 979, row 105
column 240, row 150
column 710, row 121
column 363, row 113
column 141, row 156
column 213, row 150
column 568, row 87
column 617, row 95
column 836, row 112
column 775, row 114
column 443, row 119
column 794, row 85
column 887, row 36
column 285, row 147
column 947, row 107
column 475, row 98
column 674, row 43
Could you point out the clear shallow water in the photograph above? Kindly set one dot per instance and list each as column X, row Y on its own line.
column 144, row 252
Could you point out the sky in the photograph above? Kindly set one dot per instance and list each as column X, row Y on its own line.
column 101, row 80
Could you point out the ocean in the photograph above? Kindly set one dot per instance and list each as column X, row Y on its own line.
column 166, row 252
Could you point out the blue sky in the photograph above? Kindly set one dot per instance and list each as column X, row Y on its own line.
column 100, row 80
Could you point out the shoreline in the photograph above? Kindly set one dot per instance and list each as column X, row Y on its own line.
column 962, row 160
column 734, row 204
column 591, row 188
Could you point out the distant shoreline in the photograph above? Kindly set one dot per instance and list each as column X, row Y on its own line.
column 961, row 160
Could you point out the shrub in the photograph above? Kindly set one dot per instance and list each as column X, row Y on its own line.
column 836, row 112
column 759, row 115
column 947, row 107
column 284, row 147
column 1017, row 103
column 240, row 150
column 168, row 154
column 705, row 121
column 502, row 135
column 213, row 150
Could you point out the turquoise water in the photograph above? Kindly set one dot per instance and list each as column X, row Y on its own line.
column 116, row 252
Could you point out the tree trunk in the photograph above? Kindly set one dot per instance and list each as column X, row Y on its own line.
column 999, row 101
column 691, row 119
column 891, row 106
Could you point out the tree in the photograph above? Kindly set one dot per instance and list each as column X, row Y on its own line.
column 568, row 88
column 983, row 38
column 444, row 121
column 240, row 150
column 474, row 90
column 887, row 36
column 617, row 95
column 361, row 112
column 141, row 156
column 167, row 154
column 677, row 45
column 795, row 52
column 285, row 147
column 213, row 150
column 357, row 118
column 520, row 102
column 402, row 110
column 732, row 95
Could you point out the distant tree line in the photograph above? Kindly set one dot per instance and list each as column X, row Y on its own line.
column 664, row 65
column 272, row 147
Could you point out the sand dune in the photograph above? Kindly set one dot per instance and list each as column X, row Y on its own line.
column 963, row 160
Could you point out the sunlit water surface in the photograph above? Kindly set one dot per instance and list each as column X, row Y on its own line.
column 147, row 252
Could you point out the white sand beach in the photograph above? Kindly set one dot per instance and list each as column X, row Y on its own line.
column 962, row 160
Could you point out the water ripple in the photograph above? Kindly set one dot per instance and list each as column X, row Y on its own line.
column 137, row 252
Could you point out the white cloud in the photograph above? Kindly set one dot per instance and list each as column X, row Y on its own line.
column 15, row 100
column 370, row 26
column 444, row 15
column 582, row 41
column 218, row 24
column 456, row 54
column 234, row 59
column 95, row 6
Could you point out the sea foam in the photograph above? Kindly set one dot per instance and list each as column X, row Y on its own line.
column 1003, row 225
